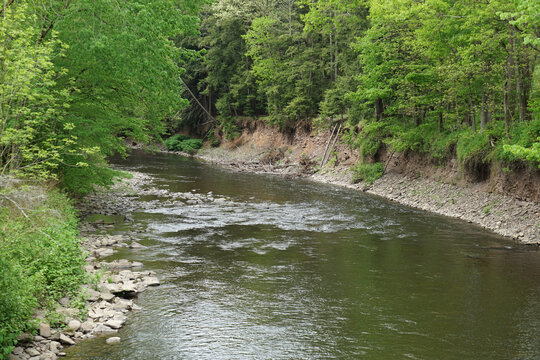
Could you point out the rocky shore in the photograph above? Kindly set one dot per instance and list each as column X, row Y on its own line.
column 114, row 284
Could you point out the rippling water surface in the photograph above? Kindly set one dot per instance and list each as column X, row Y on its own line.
column 288, row 269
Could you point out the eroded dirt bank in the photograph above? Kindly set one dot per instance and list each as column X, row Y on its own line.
column 508, row 204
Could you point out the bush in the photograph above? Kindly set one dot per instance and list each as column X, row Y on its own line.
column 41, row 259
column 173, row 143
column 367, row 172
column 183, row 143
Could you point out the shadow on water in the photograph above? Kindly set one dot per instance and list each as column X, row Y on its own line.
column 295, row 270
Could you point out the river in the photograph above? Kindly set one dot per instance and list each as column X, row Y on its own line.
column 290, row 269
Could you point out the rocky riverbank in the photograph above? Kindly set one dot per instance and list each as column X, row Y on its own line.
column 114, row 284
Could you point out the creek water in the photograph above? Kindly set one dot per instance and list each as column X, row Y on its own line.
column 289, row 269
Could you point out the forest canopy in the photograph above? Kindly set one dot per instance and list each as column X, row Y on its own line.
column 442, row 77
column 78, row 76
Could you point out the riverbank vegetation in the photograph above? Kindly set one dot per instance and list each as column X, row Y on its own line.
column 449, row 79
column 40, row 261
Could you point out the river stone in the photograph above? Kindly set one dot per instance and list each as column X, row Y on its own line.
column 113, row 340
column 151, row 281
column 104, row 252
column 74, row 325
column 54, row 346
column 48, row 356
column 107, row 296
column 32, row 351
column 92, row 294
column 44, row 330
column 17, row 351
column 87, row 326
column 114, row 323
column 66, row 340
column 103, row 329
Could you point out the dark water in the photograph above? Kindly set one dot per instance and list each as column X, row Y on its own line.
column 297, row 270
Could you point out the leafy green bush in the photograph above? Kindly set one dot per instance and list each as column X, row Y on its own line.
column 367, row 172
column 191, row 146
column 183, row 143
column 41, row 259
column 173, row 143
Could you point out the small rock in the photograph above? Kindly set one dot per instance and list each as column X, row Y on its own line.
column 48, row 356
column 114, row 323
column 74, row 325
column 151, row 281
column 104, row 252
column 66, row 340
column 54, row 346
column 44, row 330
column 64, row 301
column 32, row 352
column 87, row 326
column 17, row 351
column 103, row 329
column 92, row 294
column 107, row 296
column 113, row 340
column 136, row 245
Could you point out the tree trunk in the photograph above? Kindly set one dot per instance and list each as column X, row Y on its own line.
column 484, row 112
column 472, row 120
column 506, row 106
column 379, row 108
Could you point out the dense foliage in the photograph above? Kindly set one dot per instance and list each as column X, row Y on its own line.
column 183, row 143
column 432, row 76
column 41, row 259
column 76, row 77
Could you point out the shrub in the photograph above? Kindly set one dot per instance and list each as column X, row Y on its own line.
column 191, row 146
column 173, row 143
column 367, row 172
column 183, row 143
